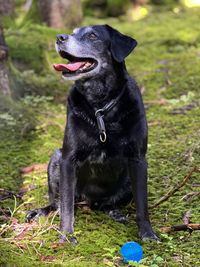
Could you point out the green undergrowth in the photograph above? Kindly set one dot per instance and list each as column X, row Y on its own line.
column 166, row 65
column 32, row 54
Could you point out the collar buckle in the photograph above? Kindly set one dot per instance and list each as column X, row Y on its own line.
column 99, row 114
column 101, row 125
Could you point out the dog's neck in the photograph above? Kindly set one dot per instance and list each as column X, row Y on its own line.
column 100, row 90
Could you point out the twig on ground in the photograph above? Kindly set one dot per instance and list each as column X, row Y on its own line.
column 196, row 184
column 175, row 188
column 153, row 123
column 161, row 102
column 5, row 194
column 181, row 227
column 34, row 167
column 4, row 215
column 190, row 195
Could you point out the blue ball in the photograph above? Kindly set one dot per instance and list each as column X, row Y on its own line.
column 131, row 251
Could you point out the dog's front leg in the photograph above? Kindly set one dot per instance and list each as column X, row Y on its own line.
column 138, row 174
column 67, row 195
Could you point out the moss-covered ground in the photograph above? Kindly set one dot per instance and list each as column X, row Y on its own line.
column 166, row 65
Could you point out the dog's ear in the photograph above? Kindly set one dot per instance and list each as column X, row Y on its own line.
column 121, row 45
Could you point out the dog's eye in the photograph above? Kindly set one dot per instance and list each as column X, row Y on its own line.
column 92, row 36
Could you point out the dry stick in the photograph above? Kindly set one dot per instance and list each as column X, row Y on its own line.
column 161, row 102
column 175, row 188
column 190, row 195
column 180, row 227
column 8, row 194
column 34, row 167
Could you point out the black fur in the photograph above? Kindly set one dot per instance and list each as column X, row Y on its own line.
column 107, row 174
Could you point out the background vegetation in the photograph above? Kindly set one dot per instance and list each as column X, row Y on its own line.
column 166, row 65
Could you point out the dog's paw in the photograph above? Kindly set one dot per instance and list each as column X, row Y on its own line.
column 33, row 215
column 149, row 236
column 68, row 238
column 146, row 232
column 118, row 216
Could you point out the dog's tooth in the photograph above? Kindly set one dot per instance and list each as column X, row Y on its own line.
column 88, row 64
column 85, row 66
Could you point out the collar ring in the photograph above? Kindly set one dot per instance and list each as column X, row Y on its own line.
column 103, row 136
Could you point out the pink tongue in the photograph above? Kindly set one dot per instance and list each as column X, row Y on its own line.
column 71, row 66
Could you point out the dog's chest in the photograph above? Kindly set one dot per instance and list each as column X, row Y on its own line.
column 98, row 157
column 102, row 169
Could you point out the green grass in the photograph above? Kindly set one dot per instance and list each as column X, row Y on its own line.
column 166, row 65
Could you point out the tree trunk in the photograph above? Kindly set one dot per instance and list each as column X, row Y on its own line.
column 61, row 13
column 4, row 81
column 7, row 7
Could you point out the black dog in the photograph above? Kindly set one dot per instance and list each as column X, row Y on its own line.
column 102, row 159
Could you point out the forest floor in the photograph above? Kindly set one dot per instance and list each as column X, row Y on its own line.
column 166, row 65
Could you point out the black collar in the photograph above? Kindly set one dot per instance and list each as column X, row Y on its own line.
column 99, row 114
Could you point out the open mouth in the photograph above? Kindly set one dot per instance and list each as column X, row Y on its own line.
column 76, row 65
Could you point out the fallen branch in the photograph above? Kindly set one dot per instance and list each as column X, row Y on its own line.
column 175, row 188
column 181, row 227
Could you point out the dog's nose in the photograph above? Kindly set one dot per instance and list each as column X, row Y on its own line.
column 61, row 38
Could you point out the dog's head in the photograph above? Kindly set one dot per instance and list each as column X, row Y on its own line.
column 90, row 51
